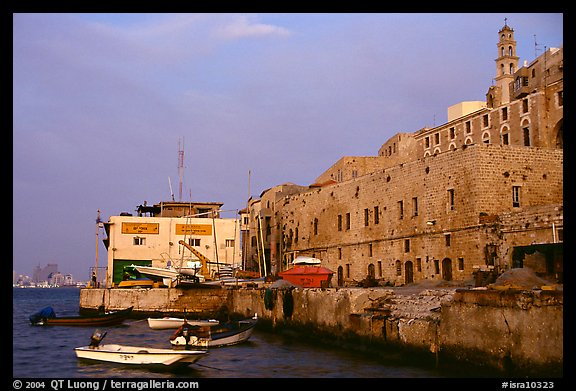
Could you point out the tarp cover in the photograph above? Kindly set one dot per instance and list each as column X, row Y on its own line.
column 47, row 312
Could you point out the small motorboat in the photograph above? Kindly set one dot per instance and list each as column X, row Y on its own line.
column 225, row 334
column 137, row 355
column 47, row 317
column 168, row 322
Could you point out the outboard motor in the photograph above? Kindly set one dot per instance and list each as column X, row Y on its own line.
column 96, row 338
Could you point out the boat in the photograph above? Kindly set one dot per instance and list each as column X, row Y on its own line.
column 224, row 334
column 47, row 317
column 307, row 273
column 137, row 355
column 168, row 322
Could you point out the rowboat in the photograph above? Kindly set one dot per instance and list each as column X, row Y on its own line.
column 47, row 317
column 173, row 323
column 225, row 334
column 137, row 355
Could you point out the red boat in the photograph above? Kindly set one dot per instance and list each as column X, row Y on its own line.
column 307, row 273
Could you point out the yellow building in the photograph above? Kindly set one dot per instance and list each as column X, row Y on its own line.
column 151, row 238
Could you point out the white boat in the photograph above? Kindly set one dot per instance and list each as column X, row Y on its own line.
column 158, row 272
column 225, row 334
column 173, row 323
column 137, row 355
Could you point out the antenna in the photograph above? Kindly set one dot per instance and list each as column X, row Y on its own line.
column 171, row 192
column 180, row 168
column 536, row 47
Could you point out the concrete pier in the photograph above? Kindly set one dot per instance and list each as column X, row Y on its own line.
column 513, row 332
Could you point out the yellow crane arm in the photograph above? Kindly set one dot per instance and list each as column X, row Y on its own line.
column 203, row 259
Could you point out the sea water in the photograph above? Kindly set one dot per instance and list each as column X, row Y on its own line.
column 48, row 351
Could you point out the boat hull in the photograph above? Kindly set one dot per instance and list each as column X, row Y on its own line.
column 217, row 336
column 136, row 355
column 308, row 276
column 109, row 319
column 174, row 323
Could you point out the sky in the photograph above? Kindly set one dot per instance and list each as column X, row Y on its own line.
column 102, row 104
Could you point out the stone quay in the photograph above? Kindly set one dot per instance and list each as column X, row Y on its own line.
column 507, row 331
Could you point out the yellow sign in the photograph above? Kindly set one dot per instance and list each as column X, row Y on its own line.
column 140, row 228
column 193, row 229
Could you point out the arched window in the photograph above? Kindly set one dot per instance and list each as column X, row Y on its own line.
column 502, row 51
column 510, row 51
column 502, row 70
column 468, row 141
column 504, row 136
column 526, row 133
column 511, row 68
column 486, row 137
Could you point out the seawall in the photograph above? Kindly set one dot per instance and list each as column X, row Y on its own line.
column 512, row 332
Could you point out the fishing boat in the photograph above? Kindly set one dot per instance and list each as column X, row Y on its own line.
column 137, row 355
column 47, row 317
column 307, row 273
column 168, row 322
column 224, row 334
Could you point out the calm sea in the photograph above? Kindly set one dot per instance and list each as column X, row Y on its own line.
column 48, row 352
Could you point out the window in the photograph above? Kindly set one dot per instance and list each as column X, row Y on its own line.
column 347, row 221
column 398, row 268
column 229, row 242
column 246, row 220
column 414, row 206
column 296, row 235
column 347, row 270
column 419, row 264
column 452, row 133
column 505, row 114
column 427, row 142
column 339, row 252
column 560, row 98
column 370, row 253
column 524, row 105
column 526, row 136
column 450, row 199
column 339, row 222
column 447, row 240
column 485, row 122
column 468, row 127
column 460, row 263
column 139, row 241
column 354, row 173
column 315, row 226
column 379, row 268
column 516, row 196
column 376, row 215
column 400, row 210
column 194, row 242
column 436, row 138
column 436, row 266
column 505, row 139
column 366, row 217
column 406, row 245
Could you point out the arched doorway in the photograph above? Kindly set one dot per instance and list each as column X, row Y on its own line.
column 371, row 272
column 447, row 269
column 408, row 272
column 559, row 130
column 340, row 276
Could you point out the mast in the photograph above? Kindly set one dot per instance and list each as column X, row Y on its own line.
column 180, row 168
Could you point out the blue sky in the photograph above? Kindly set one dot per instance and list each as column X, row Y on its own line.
column 101, row 102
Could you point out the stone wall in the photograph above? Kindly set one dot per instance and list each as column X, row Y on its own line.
column 404, row 214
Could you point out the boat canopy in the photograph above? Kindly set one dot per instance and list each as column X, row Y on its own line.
column 302, row 260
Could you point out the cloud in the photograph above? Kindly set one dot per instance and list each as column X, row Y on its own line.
column 243, row 27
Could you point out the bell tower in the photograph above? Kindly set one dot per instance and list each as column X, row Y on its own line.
column 507, row 61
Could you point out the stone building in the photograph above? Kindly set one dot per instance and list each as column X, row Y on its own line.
column 482, row 192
